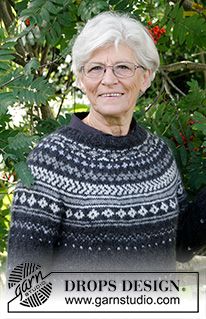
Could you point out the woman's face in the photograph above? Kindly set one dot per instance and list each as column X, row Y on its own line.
column 100, row 90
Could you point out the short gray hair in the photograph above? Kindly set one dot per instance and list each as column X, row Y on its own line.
column 113, row 28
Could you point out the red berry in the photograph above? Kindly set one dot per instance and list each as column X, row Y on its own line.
column 184, row 139
column 156, row 28
column 27, row 22
column 162, row 31
column 191, row 122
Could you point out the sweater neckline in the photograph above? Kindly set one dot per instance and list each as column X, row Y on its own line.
column 84, row 134
column 77, row 123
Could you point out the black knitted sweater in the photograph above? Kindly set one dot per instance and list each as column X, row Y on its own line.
column 102, row 203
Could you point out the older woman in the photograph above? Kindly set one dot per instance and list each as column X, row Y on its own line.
column 107, row 193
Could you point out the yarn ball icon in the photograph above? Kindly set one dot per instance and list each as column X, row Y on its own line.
column 29, row 285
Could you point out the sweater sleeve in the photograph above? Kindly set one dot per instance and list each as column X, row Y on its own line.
column 35, row 214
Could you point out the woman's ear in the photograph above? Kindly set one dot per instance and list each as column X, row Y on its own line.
column 146, row 80
column 80, row 85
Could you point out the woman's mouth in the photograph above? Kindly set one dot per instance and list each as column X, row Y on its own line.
column 111, row 94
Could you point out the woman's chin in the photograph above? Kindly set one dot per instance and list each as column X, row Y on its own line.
column 112, row 110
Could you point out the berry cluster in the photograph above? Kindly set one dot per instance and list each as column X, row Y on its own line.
column 156, row 32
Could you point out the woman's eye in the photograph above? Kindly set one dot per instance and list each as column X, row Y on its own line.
column 96, row 68
column 123, row 67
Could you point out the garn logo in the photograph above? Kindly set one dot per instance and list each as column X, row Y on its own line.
column 29, row 284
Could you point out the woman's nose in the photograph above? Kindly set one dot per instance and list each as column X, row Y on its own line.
column 109, row 77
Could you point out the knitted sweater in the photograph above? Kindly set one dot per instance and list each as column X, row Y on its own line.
column 100, row 203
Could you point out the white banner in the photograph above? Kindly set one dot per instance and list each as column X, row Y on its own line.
column 31, row 292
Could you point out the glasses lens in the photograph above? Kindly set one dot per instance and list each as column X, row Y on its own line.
column 124, row 70
column 93, row 70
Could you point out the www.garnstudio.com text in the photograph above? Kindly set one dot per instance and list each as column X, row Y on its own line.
column 127, row 300
column 122, row 286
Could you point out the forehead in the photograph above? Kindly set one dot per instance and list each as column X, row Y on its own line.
column 113, row 54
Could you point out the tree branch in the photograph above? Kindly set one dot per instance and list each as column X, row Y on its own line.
column 11, row 80
column 5, row 14
column 44, row 52
column 69, row 82
column 19, row 60
column 172, row 83
column 188, row 65
column 155, row 99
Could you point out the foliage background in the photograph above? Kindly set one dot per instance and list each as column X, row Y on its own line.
column 38, row 93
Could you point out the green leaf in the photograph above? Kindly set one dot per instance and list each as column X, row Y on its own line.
column 199, row 117
column 10, row 156
column 61, row 2
column 20, row 141
column 87, row 8
column 5, row 52
column 28, row 13
column 24, row 173
column 9, row 44
column 183, row 155
column 200, row 127
column 6, row 99
column 2, row 35
column 6, row 57
column 36, row 3
column 45, row 14
column 176, row 133
column 64, row 120
column 181, row 36
column 47, row 126
column 52, row 37
column 4, row 66
column 57, row 29
column 3, row 109
column 19, row 6
column 33, row 64
column 54, row 9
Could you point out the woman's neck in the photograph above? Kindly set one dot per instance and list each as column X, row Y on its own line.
column 116, row 126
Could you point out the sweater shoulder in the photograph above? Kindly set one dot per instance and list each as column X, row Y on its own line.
column 157, row 141
column 48, row 144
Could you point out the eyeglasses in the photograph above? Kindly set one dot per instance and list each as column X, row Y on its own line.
column 120, row 70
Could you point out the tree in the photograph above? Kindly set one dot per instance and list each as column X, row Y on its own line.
column 36, row 37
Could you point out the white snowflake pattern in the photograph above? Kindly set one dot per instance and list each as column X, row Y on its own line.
column 23, row 198
column 93, row 214
column 164, row 207
column 108, row 213
column 69, row 213
column 42, row 202
column 79, row 214
column 172, row 204
column 31, row 200
column 132, row 212
column 142, row 211
column 121, row 213
column 154, row 209
column 55, row 208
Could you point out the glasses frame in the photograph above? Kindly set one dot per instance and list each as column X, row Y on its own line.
column 136, row 66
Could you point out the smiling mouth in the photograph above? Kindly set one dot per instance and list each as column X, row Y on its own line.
column 111, row 94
